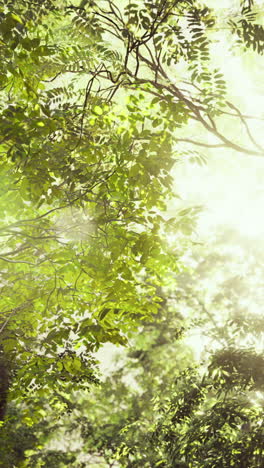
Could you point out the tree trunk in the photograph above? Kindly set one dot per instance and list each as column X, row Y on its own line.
column 4, row 381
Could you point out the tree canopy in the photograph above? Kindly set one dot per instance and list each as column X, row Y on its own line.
column 95, row 97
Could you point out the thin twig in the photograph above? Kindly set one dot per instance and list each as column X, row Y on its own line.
column 12, row 312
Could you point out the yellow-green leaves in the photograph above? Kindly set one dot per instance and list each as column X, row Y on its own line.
column 98, row 110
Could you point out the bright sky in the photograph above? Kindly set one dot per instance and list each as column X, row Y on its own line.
column 231, row 189
column 230, row 186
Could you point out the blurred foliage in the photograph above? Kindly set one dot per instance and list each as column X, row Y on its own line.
column 164, row 404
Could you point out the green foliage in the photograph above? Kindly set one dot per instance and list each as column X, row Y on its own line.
column 161, row 406
column 249, row 32
column 89, row 136
column 70, row 152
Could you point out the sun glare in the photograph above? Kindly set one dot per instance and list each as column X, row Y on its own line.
column 231, row 192
column 230, row 187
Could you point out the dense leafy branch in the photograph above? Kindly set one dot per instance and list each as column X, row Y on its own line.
column 155, row 19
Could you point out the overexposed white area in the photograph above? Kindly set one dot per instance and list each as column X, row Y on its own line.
column 107, row 356
column 231, row 185
column 230, row 188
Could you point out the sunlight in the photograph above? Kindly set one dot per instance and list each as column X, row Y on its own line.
column 232, row 194
column 230, row 187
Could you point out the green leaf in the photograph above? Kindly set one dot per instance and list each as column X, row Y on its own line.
column 98, row 110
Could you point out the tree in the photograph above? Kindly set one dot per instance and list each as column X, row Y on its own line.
column 180, row 411
column 62, row 299
column 89, row 128
column 162, row 406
